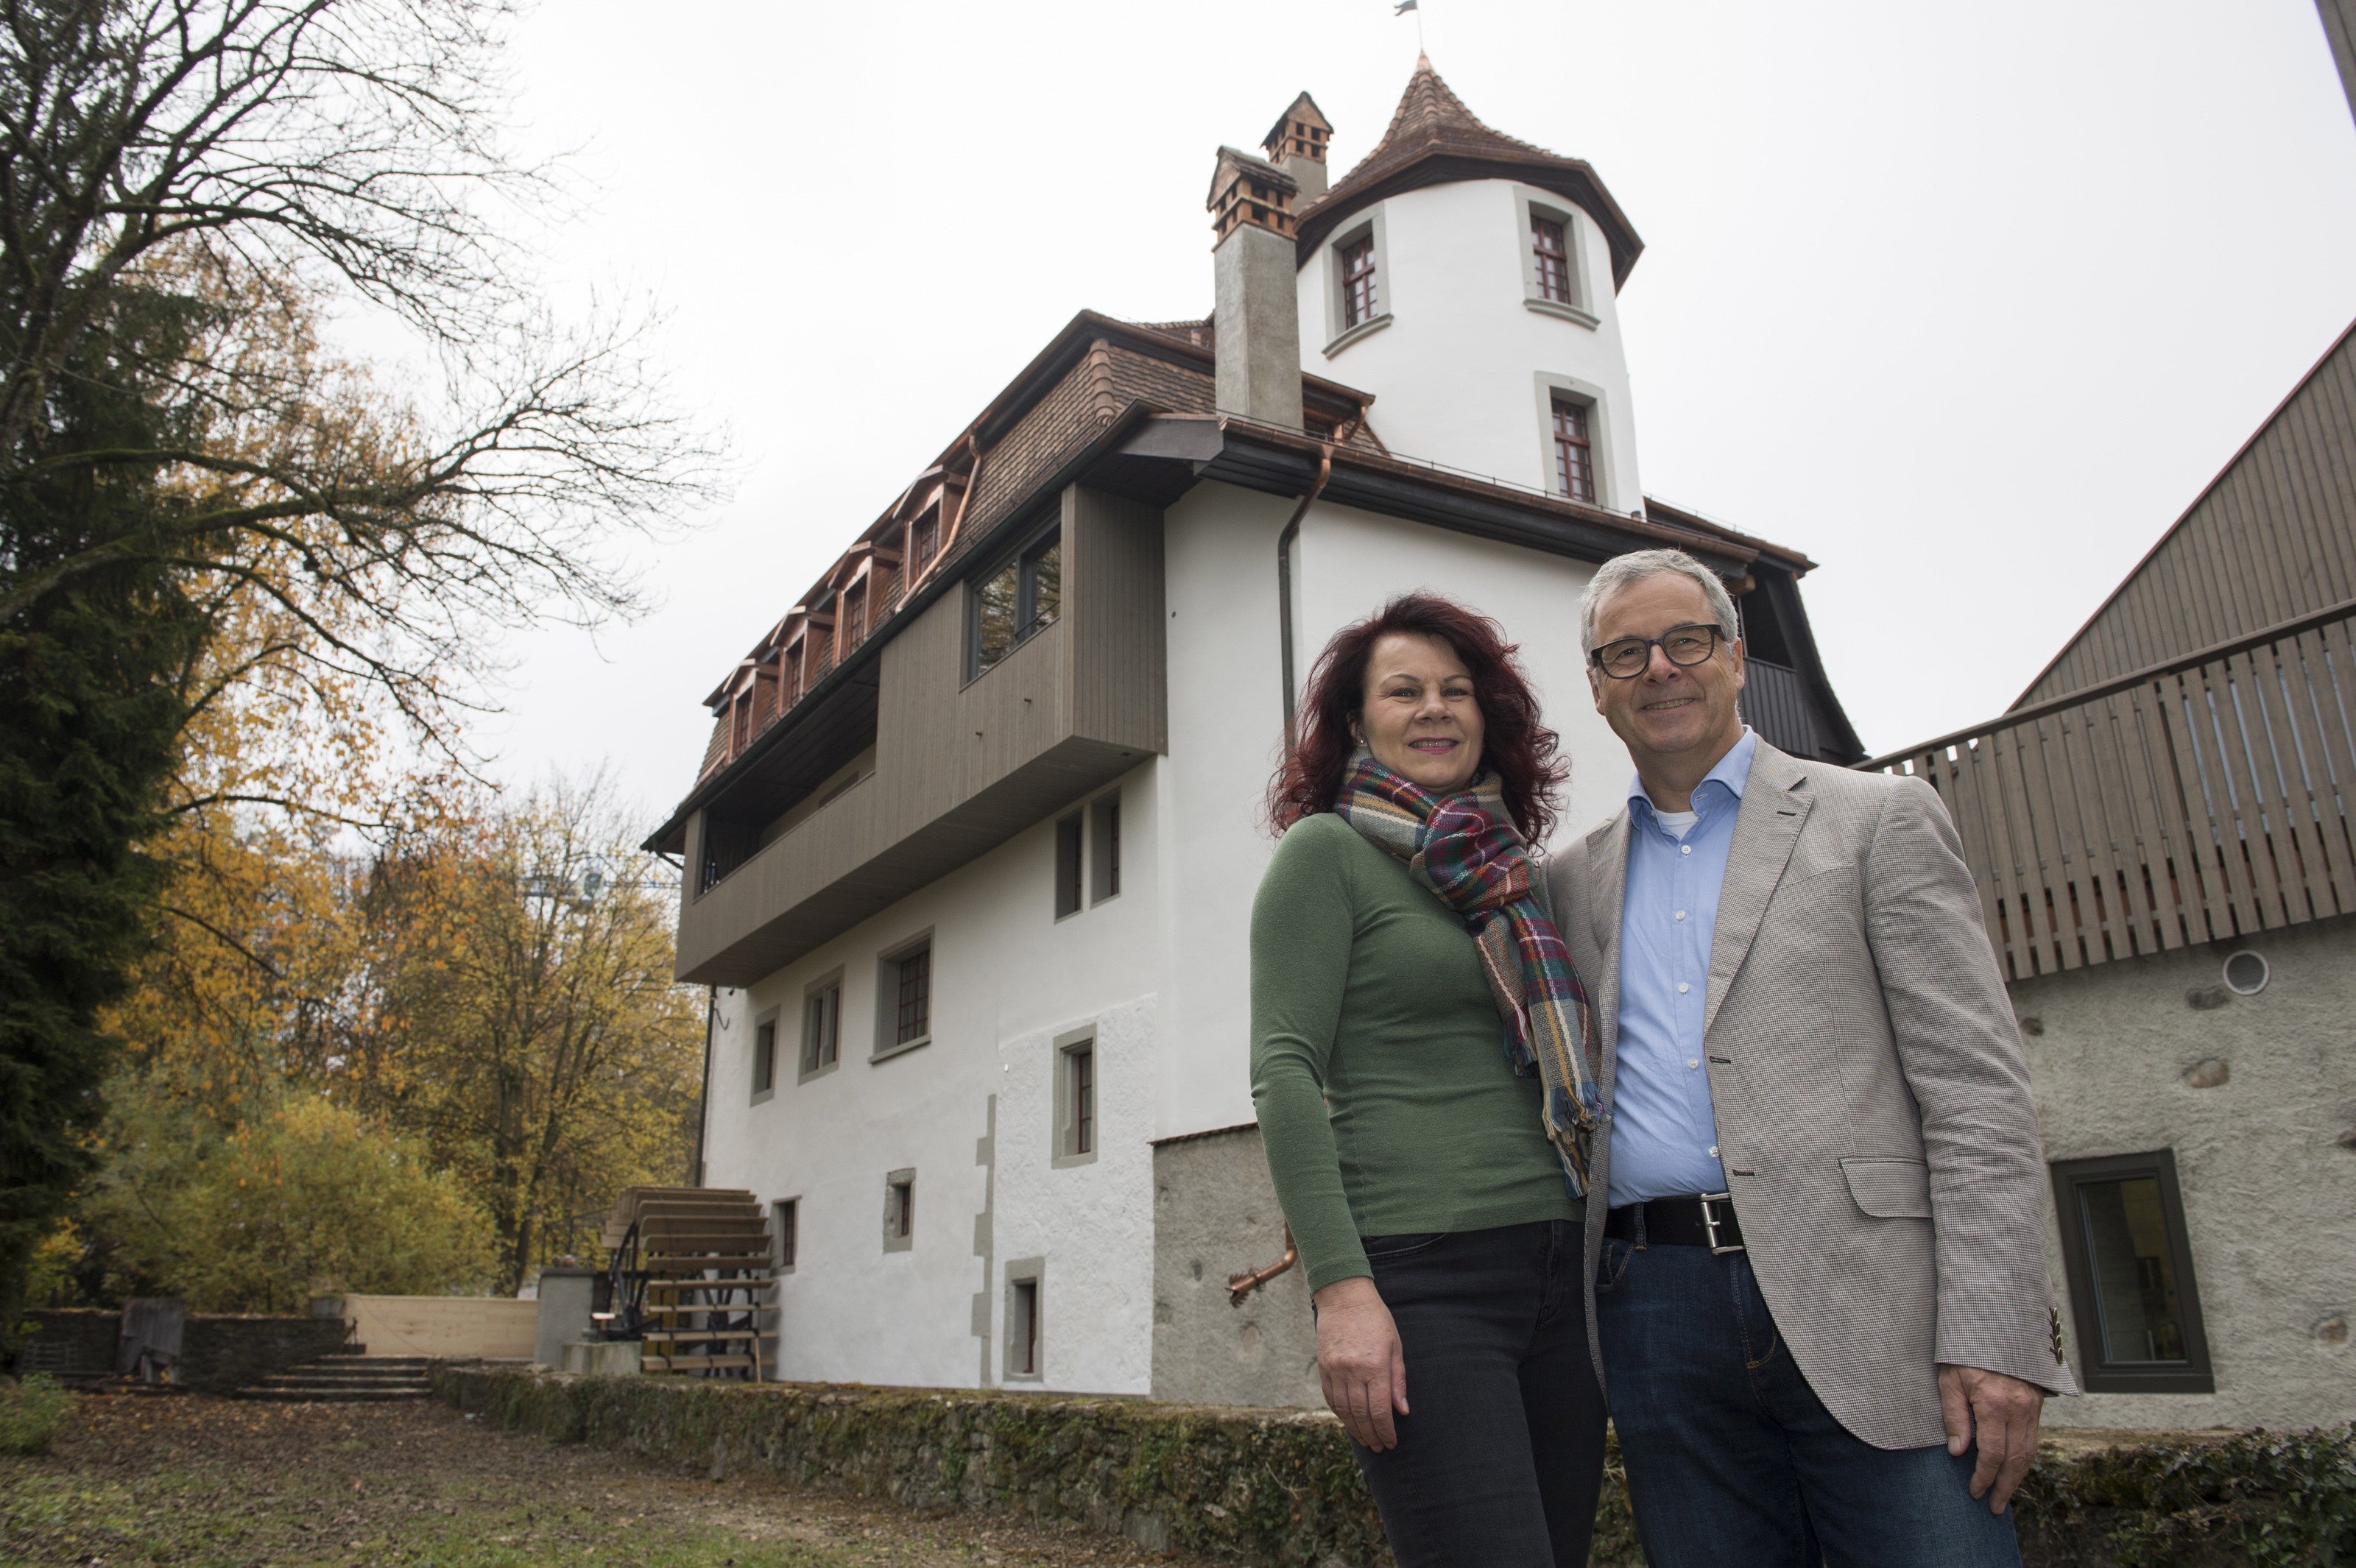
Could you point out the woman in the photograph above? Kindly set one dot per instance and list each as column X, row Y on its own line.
column 1430, row 1172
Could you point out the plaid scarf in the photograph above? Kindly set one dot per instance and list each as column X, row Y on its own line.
column 1465, row 848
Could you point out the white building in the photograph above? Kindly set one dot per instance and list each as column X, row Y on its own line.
column 975, row 841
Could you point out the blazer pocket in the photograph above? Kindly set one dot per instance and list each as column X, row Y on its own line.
column 1889, row 1188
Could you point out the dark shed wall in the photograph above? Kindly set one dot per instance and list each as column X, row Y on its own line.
column 2272, row 538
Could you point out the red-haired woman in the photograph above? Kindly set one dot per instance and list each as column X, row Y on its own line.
column 1428, row 1159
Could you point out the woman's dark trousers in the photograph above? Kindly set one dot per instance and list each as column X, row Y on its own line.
column 1499, row 1462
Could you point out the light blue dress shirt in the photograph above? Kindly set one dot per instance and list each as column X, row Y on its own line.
column 1663, row 1129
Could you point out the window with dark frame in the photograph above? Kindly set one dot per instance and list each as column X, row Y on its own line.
column 901, row 1221
column 924, row 538
column 1018, row 599
column 2129, row 1266
column 854, row 615
column 794, row 673
column 822, row 1028
column 1104, row 828
column 1358, row 296
column 1068, row 865
column 787, row 1223
column 1083, row 1081
column 1574, row 455
column 913, row 1019
column 1549, row 246
column 1023, row 1332
column 765, row 1056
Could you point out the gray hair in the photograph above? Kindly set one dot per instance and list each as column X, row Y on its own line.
column 1624, row 570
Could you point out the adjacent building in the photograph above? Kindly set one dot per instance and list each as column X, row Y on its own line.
column 2160, row 827
column 972, row 849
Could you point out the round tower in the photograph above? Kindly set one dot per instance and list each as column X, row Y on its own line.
column 1469, row 280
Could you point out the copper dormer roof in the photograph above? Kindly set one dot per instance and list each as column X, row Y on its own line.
column 1433, row 139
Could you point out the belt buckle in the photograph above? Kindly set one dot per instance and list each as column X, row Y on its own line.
column 1709, row 1223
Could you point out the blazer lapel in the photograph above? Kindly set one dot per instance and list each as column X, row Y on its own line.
column 1607, row 884
column 1774, row 808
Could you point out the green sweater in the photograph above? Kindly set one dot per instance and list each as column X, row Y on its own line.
column 1378, row 1067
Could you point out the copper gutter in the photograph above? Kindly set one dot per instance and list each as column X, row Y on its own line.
column 1242, row 1285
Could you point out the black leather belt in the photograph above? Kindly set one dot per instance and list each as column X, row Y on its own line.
column 1704, row 1220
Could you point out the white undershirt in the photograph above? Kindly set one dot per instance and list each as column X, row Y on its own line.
column 1679, row 823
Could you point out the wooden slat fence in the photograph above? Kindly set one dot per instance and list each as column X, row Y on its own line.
column 2195, row 802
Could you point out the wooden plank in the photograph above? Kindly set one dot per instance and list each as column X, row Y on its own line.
column 2124, row 842
column 1983, row 852
column 2334, row 684
column 1941, row 773
column 2308, row 677
column 2111, row 929
column 2020, row 832
column 2060, row 841
column 2253, row 790
column 2307, row 869
column 2163, row 822
column 2211, row 879
column 1981, row 781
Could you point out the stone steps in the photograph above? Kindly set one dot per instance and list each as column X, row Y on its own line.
column 346, row 1378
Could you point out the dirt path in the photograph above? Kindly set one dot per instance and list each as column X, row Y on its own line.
column 206, row 1483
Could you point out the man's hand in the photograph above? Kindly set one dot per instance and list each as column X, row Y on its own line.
column 1359, row 1361
column 2002, row 1411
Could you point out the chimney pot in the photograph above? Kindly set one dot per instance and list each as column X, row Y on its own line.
column 1254, row 266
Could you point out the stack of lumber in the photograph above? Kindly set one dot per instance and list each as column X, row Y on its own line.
column 703, row 1266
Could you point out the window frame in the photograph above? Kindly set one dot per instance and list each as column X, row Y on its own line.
column 1567, row 480
column 1339, row 330
column 2096, row 1373
column 764, row 1064
column 1033, row 1272
column 888, row 1043
column 1071, row 882
column 1024, row 561
column 1530, row 208
column 1071, row 1050
column 784, row 1232
column 1104, row 848
column 1548, row 386
column 812, row 1059
column 900, row 1209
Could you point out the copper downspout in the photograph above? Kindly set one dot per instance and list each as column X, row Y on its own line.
column 1242, row 1285
column 1284, row 538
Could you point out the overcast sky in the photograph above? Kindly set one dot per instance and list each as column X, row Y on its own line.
column 1967, row 302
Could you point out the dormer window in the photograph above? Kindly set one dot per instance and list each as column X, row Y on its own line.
column 1358, row 297
column 1553, row 258
column 1574, row 451
column 924, row 538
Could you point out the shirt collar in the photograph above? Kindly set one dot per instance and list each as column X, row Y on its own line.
column 1733, row 771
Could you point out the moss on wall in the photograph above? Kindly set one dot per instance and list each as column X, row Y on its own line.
column 1278, row 1486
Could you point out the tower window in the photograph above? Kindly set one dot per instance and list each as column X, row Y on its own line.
column 1547, row 244
column 1358, row 298
column 1574, row 451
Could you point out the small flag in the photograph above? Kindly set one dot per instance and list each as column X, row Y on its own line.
column 1404, row 6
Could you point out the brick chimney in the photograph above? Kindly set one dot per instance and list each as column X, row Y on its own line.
column 1296, row 143
column 1258, row 314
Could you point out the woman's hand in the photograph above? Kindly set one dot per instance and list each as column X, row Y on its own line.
column 1359, row 1360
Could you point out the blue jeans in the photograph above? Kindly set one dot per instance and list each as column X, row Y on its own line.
column 1500, row 1463
column 1731, row 1457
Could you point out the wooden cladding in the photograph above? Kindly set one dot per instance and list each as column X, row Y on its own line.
column 2272, row 537
column 2195, row 803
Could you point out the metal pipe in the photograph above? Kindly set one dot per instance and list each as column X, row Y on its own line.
column 704, row 1095
column 1291, row 532
column 1242, row 1285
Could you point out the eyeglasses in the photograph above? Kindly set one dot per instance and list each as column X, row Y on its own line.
column 1625, row 658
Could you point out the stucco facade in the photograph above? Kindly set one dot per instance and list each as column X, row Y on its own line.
column 2265, row 1156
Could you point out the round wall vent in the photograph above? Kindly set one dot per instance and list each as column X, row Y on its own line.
column 2246, row 973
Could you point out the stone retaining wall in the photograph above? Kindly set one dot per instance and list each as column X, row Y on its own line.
column 1279, row 1488
column 218, row 1352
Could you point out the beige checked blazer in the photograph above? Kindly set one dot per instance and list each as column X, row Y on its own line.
column 1874, row 1105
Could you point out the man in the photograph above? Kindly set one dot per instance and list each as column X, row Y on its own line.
column 1817, row 1227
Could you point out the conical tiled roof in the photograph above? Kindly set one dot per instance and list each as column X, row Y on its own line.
column 1434, row 139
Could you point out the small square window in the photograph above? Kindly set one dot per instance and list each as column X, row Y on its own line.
column 899, row 1210
column 903, row 999
column 1104, row 848
column 2129, row 1265
column 821, row 1027
column 1068, row 865
column 787, row 1223
column 765, row 1056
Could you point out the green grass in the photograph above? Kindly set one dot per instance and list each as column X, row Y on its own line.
column 30, row 1413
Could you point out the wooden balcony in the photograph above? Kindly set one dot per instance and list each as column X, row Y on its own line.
column 2200, row 801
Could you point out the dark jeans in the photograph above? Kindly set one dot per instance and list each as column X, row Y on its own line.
column 1500, row 1462
column 1731, row 1457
